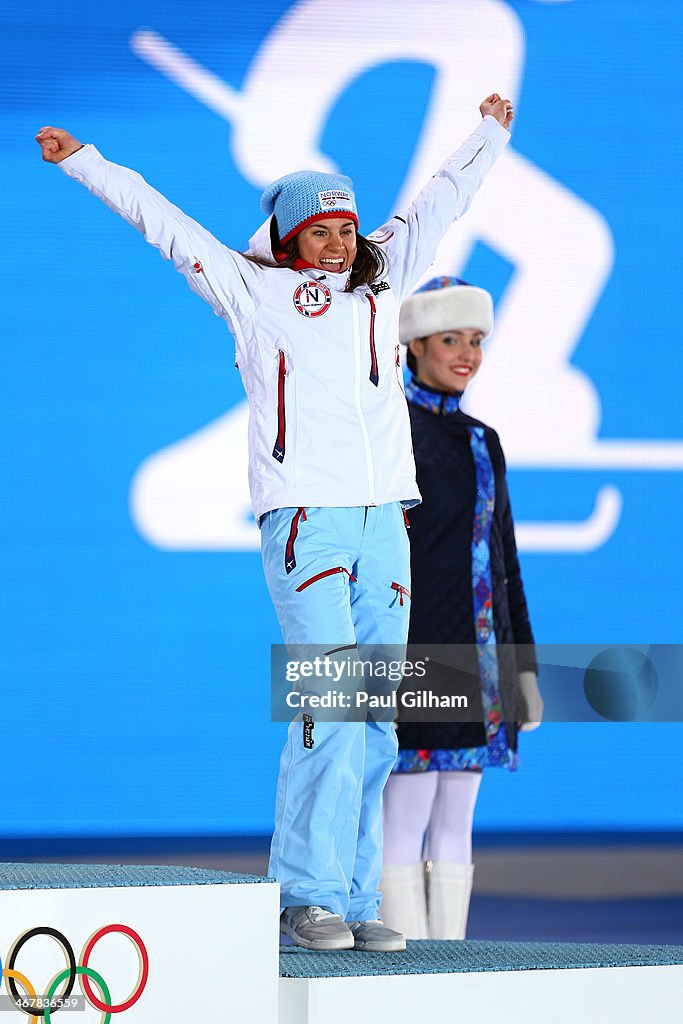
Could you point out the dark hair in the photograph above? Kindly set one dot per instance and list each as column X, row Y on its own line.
column 412, row 362
column 369, row 264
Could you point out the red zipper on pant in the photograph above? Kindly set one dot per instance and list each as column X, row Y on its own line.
column 322, row 575
column 374, row 369
column 290, row 559
column 401, row 591
column 279, row 447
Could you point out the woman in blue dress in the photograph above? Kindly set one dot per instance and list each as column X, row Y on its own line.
column 467, row 591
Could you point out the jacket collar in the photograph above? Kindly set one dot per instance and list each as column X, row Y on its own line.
column 441, row 403
column 337, row 282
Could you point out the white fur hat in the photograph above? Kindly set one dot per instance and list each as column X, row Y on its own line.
column 445, row 304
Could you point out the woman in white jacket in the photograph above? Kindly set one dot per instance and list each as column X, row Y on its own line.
column 314, row 312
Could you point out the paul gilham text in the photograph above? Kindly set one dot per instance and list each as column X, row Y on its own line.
column 361, row 699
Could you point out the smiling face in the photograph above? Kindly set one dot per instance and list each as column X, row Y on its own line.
column 329, row 244
column 448, row 361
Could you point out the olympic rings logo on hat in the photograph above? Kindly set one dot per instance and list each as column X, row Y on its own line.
column 335, row 199
column 53, row 1001
column 312, row 298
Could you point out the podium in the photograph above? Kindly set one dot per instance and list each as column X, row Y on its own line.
column 172, row 944
column 514, row 982
column 169, row 943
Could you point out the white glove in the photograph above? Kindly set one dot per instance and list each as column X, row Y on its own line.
column 530, row 701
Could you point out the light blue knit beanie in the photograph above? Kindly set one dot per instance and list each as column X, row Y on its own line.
column 300, row 198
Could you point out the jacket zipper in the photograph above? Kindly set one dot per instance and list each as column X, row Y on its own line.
column 401, row 591
column 399, row 369
column 322, row 575
column 374, row 370
column 279, row 447
column 290, row 558
column 363, row 425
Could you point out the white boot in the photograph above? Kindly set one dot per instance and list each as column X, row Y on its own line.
column 448, row 898
column 404, row 904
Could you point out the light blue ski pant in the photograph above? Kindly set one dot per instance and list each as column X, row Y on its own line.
column 338, row 577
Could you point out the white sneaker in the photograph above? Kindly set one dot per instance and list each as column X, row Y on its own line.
column 375, row 937
column 314, row 928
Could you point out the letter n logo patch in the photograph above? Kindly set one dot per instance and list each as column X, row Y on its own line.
column 312, row 298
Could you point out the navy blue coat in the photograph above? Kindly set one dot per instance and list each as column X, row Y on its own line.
column 441, row 565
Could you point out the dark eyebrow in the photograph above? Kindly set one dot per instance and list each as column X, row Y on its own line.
column 322, row 224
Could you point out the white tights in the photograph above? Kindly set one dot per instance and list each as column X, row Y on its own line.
column 428, row 816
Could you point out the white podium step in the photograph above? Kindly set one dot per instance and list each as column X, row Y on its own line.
column 162, row 944
column 169, row 943
column 518, row 983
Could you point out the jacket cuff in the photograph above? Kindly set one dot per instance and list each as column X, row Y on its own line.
column 79, row 160
column 491, row 130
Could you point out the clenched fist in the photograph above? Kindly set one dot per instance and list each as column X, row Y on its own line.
column 57, row 144
column 498, row 108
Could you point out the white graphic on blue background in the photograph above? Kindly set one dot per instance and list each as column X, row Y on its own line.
column 193, row 494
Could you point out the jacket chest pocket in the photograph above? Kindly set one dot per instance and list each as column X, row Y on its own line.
column 374, row 368
column 279, row 447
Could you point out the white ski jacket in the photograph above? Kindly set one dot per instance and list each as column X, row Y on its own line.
column 328, row 420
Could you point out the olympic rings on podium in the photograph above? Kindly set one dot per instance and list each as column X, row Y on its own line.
column 68, row 976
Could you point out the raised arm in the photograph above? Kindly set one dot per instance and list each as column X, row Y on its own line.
column 224, row 279
column 411, row 238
